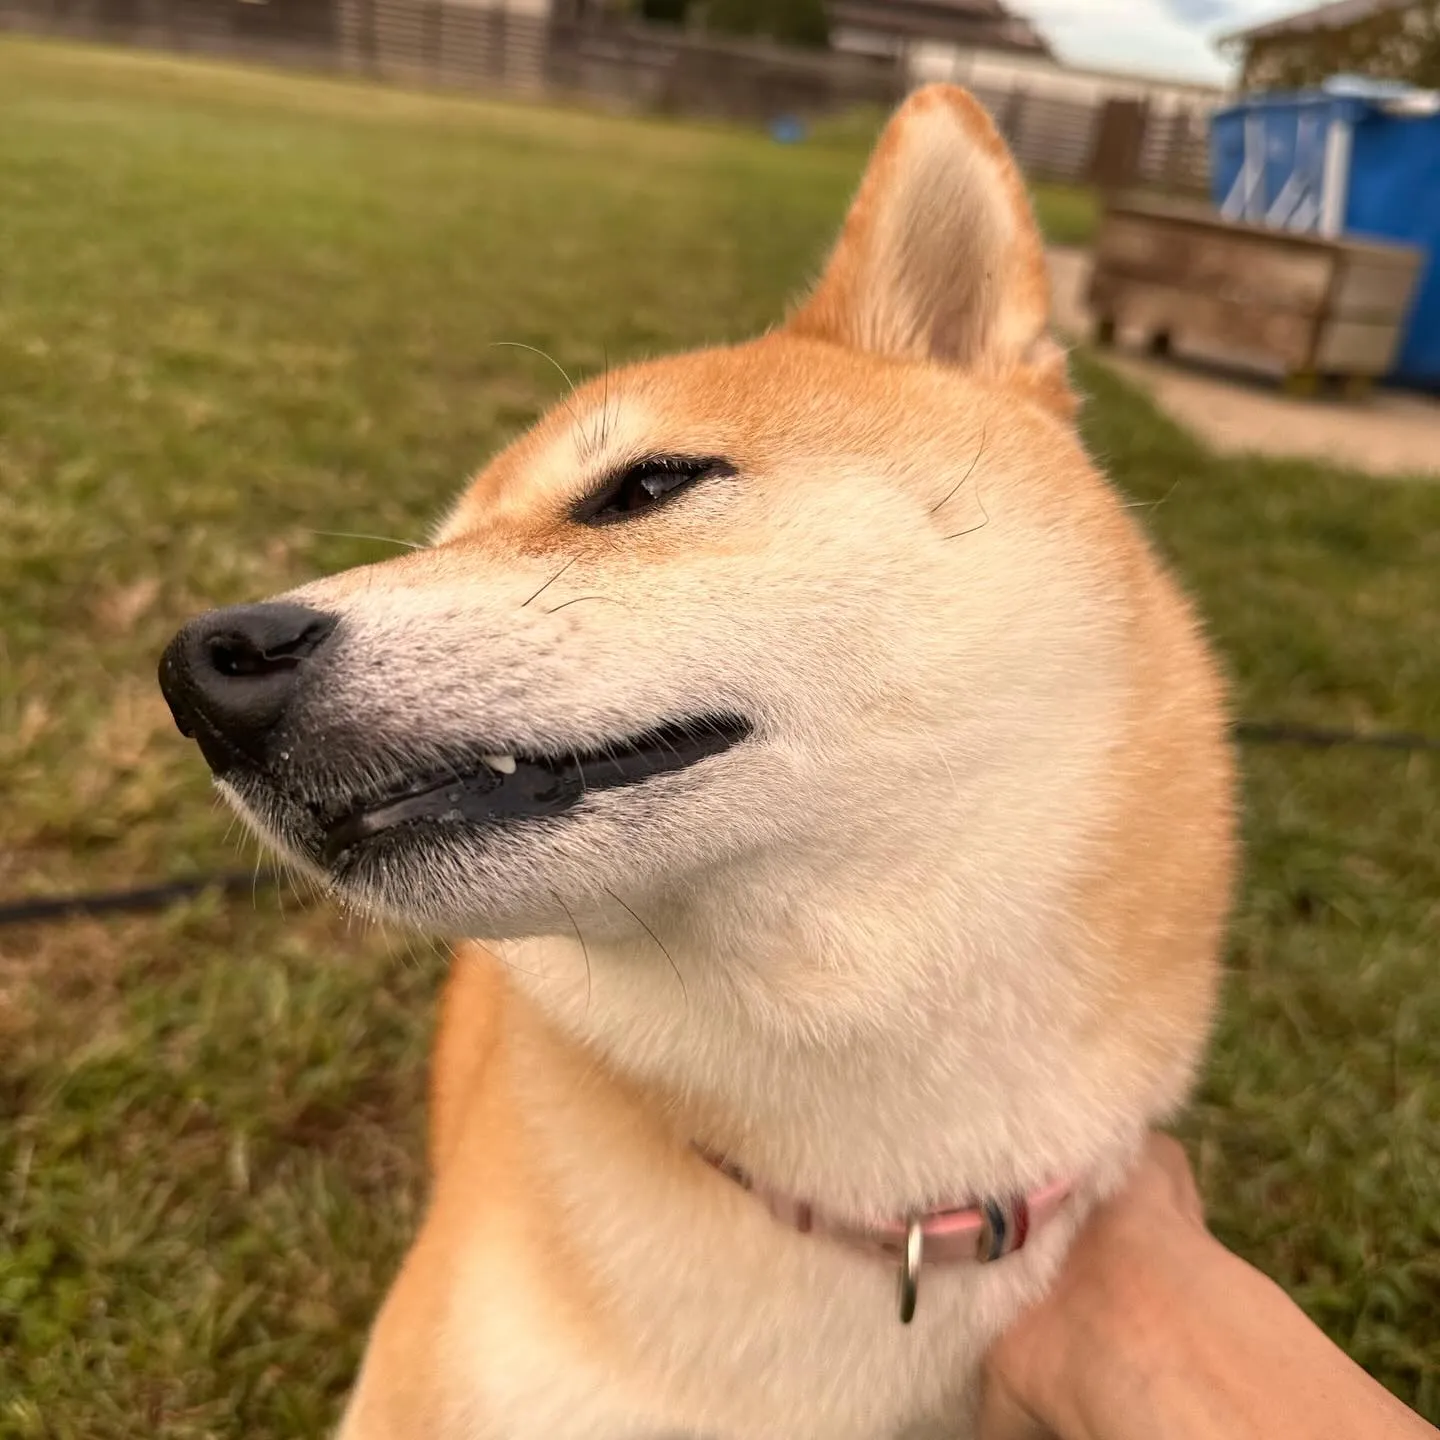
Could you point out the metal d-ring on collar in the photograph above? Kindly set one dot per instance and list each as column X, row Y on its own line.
column 993, row 1243
column 910, row 1267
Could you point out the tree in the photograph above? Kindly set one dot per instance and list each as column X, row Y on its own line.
column 791, row 22
column 669, row 12
column 1399, row 42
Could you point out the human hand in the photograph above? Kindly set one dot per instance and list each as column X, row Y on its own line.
column 1033, row 1373
column 1153, row 1328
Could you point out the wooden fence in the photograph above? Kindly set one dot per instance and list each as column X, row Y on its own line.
column 462, row 44
column 1116, row 144
column 473, row 45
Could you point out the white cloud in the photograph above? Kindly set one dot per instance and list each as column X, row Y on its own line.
column 1168, row 37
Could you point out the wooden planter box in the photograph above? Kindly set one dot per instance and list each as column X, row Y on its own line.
column 1302, row 305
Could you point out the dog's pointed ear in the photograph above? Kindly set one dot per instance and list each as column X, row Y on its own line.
column 940, row 257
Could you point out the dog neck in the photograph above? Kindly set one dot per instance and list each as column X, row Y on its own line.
column 950, row 1069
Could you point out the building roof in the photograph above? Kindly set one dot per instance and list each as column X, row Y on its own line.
column 983, row 24
column 1338, row 15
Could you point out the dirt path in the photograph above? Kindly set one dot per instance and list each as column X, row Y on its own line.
column 1388, row 434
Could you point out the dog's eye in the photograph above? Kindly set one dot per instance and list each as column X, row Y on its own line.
column 646, row 484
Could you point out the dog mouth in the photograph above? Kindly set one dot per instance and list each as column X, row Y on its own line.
column 498, row 787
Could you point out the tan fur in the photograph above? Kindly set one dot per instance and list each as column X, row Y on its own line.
column 904, row 282
column 947, row 927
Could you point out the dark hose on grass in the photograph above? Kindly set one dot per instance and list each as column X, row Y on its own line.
column 1317, row 737
column 46, row 909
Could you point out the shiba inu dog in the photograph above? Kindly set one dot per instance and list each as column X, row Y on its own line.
column 836, row 789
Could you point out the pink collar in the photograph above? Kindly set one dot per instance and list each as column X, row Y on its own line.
column 978, row 1233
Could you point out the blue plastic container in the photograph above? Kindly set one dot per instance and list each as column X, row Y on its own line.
column 1357, row 158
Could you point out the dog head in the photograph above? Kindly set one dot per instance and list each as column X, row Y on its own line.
column 728, row 613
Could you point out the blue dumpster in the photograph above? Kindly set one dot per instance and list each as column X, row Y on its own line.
column 1357, row 157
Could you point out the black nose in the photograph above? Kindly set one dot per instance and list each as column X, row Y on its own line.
column 229, row 676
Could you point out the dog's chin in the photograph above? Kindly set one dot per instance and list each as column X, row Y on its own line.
column 483, row 847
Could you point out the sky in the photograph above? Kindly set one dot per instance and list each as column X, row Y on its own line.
column 1169, row 37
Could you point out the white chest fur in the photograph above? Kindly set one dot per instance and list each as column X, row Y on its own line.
column 730, row 1325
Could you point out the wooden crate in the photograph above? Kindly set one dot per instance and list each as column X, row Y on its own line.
column 1301, row 305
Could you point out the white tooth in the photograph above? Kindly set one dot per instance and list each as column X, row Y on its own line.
column 505, row 764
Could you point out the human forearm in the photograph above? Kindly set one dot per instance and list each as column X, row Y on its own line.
column 1154, row 1331
column 1219, row 1352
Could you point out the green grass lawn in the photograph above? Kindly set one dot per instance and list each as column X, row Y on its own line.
column 1068, row 214
column 239, row 310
